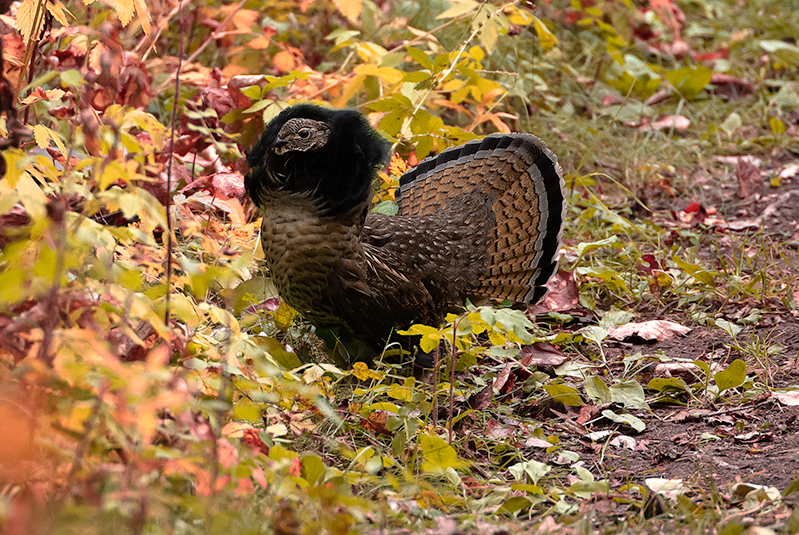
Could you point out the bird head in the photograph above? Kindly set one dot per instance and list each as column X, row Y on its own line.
column 301, row 135
column 331, row 155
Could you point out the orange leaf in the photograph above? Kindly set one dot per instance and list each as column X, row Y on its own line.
column 284, row 61
column 259, row 43
column 349, row 8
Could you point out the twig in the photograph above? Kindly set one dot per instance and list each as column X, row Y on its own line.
column 434, row 407
column 406, row 126
column 169, row 238
column 83, row 445
column 38, row 23
column 205, row 43
column 453, row 354
column 402, row 45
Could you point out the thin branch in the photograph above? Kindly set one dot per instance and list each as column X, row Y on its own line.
column 441, row 77
column 453, row 355
column 169, row 237
column 205, row 44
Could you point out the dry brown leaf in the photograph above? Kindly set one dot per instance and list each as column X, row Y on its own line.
column 563, row 295
column 542, row 355
column 482, row 399
column 789, row 398
column 376, row 422
column 676, row 122
column 652, row 330
column 749, row 179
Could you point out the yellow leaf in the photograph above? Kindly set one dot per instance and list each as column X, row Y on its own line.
column 13, row 172
column 284, row 316
column 59, row 12
column 57, row 140
column 361, row 371
column 402, row 393
column 124, row 10
column 545, row 37
column 144, row 16
column 392, row 76
column 26, row 13
column 349, row 8
column 438, row 455
column 352, row 87
column 519, row 17
column 42, row 135
column 460, row 7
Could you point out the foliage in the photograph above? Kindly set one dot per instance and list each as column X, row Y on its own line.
column 153, row 381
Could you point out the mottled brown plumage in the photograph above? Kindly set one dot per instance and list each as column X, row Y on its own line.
column 478, row 221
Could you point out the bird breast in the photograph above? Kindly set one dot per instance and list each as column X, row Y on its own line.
column 307, row 253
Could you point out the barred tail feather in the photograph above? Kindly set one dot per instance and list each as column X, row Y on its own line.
column 525, row 182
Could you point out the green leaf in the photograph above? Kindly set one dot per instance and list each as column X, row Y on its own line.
column 626, row 419
column 396, row 102
column 514, row 504
column 283, row 358
column 313, row 469
column 529, row 471
column 420, row 57
column 246, row 410
column 386, row 207
column 728, row 327
column 662, row 384
column 416, row 76
column 391, row 123
column 564, row 394
column 72, row 78
column 250, row 292
column 733, row 377
column 630, row 394
column 690, row 81
column 423, row 147
column 597, row 390
column 438, row 455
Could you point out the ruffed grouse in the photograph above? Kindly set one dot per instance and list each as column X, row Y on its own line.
column 482, row 220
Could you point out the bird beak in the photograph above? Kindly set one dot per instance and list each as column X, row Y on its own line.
column 278, row 145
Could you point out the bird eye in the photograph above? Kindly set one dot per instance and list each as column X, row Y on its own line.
column 304, row 133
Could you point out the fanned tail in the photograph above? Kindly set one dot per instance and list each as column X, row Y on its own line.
column 524, row 181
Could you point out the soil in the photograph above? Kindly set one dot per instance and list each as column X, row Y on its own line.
column 754, row 441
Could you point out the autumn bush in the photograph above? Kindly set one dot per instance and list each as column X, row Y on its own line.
column 152, row 381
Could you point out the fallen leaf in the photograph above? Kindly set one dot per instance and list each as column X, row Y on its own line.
column 563, row 295
column 623, row 441
column 534, row 442
column 652, row 330
column 749, row 179
column 790, row 171
column 543, row 355
column 676, row 122
column 482, row 399
column 376, row 422
column 788, row 397
column 730, row 86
